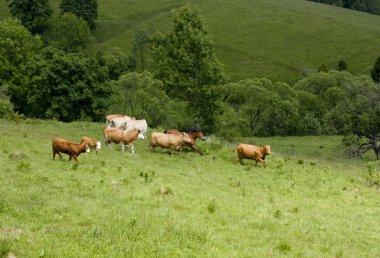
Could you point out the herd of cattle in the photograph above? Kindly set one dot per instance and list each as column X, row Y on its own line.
column 126, row 130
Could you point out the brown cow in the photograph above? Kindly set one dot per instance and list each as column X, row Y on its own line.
column 193, row 134
column 92, row 143
column 257, row 153
column 117, row 135
column 70, row 148
column 170, row 141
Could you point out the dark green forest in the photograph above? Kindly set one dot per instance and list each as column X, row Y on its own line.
column 50, row 69
column 369, row 6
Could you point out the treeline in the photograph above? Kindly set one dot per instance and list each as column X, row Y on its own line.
column 174, row 80
column 369, row 6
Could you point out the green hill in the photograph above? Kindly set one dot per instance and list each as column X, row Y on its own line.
column 277, row 39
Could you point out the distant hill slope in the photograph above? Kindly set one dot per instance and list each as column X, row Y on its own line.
column 277, row 39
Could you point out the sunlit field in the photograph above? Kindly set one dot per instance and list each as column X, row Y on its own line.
column 309, row 201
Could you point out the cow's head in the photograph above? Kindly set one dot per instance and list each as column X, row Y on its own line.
column 267, row 149
column 141, row 135
column 87, row 148
column 97, row 146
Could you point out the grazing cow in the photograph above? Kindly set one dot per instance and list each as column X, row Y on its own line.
column 119, row 122
column 117, row 135
column 194, row 134
column 136, row 124
column 257, row 153
column 170, row 141
column 69, row 148
column 92, row 143
column 110, row 117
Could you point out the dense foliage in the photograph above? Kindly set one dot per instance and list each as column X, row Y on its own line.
column 69, row 33
column 85, row 9
column 370, row 6
column 33, row 14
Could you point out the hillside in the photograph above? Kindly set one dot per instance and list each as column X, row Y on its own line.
column 308, row 202
column 277, row 39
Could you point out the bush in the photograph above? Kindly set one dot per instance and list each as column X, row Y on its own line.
column 6, row 108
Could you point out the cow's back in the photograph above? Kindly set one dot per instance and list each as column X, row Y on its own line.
column 247, row 151
column 166, row 140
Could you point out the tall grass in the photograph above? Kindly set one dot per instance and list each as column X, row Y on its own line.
column 153, row 204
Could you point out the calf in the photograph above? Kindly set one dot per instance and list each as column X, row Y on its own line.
column 92, row 143
column 69, row 148
column 257, row 153
column 117, row 135
column 170, row 141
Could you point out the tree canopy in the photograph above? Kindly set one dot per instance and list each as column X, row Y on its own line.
column 33, row 14
column 186, row 62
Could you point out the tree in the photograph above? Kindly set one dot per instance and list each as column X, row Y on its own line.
column 342, row 65
column 323, row 68
column 186, row 63
column 17, row 48
column 70, row 33
column 375, row 71
column 85, row 9
column 117, row 62
column 140, row 45
column 67, row 87
column 33, row 14
column 141, row 96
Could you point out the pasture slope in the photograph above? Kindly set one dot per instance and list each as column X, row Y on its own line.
column 308, row 202
column 275, row 39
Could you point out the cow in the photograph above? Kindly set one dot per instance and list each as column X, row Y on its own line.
column 123, row 137
column 194, row 134
column 92, row 143
column 110, row 117
column 119, row 122
column 170, row 141
column 70, row 148
column 136, row 124
column 248, row 151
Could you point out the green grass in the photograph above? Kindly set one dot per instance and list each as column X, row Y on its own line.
column 115, row 204
column 276, row 39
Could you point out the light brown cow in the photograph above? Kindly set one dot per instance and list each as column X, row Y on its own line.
column 169, row 141
column 70, row 148
column 92, row 143
column 257, row 153
column 117, row 135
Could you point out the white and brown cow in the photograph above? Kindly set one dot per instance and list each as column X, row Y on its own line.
column 123, row 137
column 70, row 148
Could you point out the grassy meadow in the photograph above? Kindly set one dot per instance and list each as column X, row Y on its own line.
column 275, row 39
column 308, row 202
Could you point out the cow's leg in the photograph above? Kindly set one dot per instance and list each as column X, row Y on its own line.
column 122, row 147
column 260, row 160
column 133, row 151
column 59, row 154
column 75, row 158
